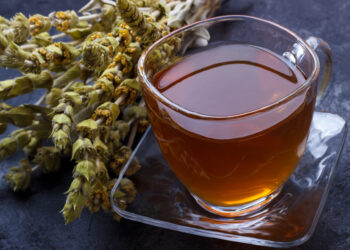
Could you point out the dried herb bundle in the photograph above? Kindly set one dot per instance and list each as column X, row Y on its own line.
column 93, row 104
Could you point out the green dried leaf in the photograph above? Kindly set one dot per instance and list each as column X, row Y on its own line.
column 74, row 205
column 81, row 148
column 55, row 50
column 101, row 148
column 102, row 172
column 93, row 98
column 43, row 80
column 118, row 194
column 38, row 109
column 14, row 57
column 19, row 177
column 61, row 119
column 53, row 97
column 71, row 74
column 43, row 39
column 32, row 146
column 24, row 84
column 19, row 116
column 8, row 146
column 88, row 126
column 48, row 159
column 60, row 139
column 3, row 127
column 75, row 185
column 22, row 137
column 75, row 98
column 80, row 31
column 3, row 42
column 4, row 21
column 123, row 128
column 135, row 112
column 132, row 83
column 85, row 169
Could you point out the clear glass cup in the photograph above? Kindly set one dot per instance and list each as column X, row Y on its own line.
column 182, row 134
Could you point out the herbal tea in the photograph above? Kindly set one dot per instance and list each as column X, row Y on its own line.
column 230, row 162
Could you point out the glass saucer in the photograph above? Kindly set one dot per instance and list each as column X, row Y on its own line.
column 289, row 220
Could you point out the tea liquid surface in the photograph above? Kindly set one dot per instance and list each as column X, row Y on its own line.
column 232, row 162
column 228, row 80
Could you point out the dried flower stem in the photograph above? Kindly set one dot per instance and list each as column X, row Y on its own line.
column 120, row 100
column 90, row 17
column 67, row 86
column 29, row 46
column 132, row 134
column 94, row 4
column 41, row 100
column 35, row 168
column 59, row 35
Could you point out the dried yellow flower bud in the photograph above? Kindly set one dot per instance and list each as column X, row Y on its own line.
column 120, row 157
column 64, row 20
column 19, row 177
column 95, row 56
column 135, row 19
column 108, row 111
column 98, row 198
column 3, row 42
column 15, row 57
column 129, row 89
column 48, row 159
column 123, row 128
column 39, row 24
column 18, row 30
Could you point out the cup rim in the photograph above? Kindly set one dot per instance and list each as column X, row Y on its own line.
column 154, row 91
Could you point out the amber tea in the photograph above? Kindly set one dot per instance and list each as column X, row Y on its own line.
column 229, row 162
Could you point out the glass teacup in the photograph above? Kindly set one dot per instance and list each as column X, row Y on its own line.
column 242, row 170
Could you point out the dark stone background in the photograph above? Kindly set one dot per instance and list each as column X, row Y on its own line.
column 32, row 220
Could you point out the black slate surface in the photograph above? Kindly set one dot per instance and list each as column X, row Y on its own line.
column 32, row 220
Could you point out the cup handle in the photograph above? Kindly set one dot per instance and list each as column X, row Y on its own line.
column 324, row 54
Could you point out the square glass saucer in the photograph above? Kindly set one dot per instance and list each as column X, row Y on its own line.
column 289, row 220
